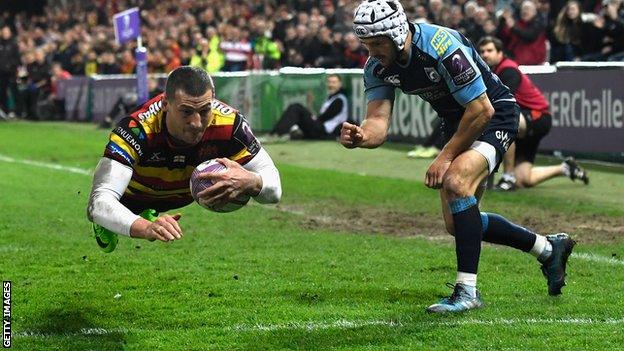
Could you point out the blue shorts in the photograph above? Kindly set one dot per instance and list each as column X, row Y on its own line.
column 500, row 133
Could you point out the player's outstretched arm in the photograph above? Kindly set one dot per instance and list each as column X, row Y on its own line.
column 374, row 129
column 164, row 228
column 110, row 180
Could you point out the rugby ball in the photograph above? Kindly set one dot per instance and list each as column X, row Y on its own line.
column 198, row 184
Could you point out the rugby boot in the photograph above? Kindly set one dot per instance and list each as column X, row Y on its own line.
column 554, row 266
column 107, row 240
column 576, row 171
column 462, row 299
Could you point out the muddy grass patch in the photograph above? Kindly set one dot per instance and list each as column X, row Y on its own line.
column 586, row 229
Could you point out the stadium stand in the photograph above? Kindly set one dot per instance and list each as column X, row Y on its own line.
column 225, row 35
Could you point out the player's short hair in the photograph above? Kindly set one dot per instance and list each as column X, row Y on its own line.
column 335, row 75
column 498, row 44
column 193, row 81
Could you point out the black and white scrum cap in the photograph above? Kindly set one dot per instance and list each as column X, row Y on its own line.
column 381, row 17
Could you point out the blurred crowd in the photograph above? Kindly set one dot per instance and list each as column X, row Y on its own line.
column 75, row 37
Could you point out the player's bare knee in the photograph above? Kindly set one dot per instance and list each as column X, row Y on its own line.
column 456, row 185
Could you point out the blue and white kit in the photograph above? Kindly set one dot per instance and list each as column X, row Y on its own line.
column 445, row 70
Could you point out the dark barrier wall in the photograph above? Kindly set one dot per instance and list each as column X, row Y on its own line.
column 587, row 105
column 587, row 108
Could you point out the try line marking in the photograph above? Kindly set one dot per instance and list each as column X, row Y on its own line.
column 46, row 165
column 344, row 324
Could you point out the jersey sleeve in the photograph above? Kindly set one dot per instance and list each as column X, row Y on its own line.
column 126, row 142
column 456, row 65
column 243, row 145
column 375, row 88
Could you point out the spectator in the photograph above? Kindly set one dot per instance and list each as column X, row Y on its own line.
column 108, row 64
column 569, row 33
column 355, row 55
column 237, row 50
column 297, row 122
column 612, row 28
column 524, row 39
column 9, row 62
column 38, row 83
column 329, row 53
column 128, row 62
column 268, row 51
column 58, row 103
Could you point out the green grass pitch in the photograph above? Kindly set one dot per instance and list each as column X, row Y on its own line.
column 348, row 261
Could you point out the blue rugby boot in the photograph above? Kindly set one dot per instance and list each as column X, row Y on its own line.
column 554, row 266
column 462, row 299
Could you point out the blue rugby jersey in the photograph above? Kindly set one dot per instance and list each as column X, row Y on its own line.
column 444, row 69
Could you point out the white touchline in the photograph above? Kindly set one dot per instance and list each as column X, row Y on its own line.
column 346, row 324
column 598, row 259
column 46, row 165
column 80, row 332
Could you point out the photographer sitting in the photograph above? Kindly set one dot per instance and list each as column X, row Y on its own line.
column 297, row 122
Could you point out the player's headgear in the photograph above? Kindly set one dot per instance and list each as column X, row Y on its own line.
column 381, row 17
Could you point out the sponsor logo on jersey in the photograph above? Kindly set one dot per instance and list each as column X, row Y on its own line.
column 459, row 68
column 179, row 158
column 361, row 31
column 119, row 151
column 504, row 139
column 432, row 74
column 134, row 127
column 221, row 107
column 393, row 79
column 129, row 138
column 441, row 41
column 155, row 157
column 151, row 111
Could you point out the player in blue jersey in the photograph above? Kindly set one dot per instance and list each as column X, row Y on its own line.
column 479, row 119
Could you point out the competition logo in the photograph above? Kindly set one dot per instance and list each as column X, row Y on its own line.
column 459, row 68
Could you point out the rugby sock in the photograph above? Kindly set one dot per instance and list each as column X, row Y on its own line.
column 468, row 279
column 499, row 230
column 565, row 168
column 509, row 177
column 542, row 248
column 468, row 233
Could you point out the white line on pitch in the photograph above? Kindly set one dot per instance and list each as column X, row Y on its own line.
column 46, row 165
column 346, row 324
column 582, row 256
column 81, row 332
column 598, row 259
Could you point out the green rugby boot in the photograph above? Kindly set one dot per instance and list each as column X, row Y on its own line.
column 107, row 240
